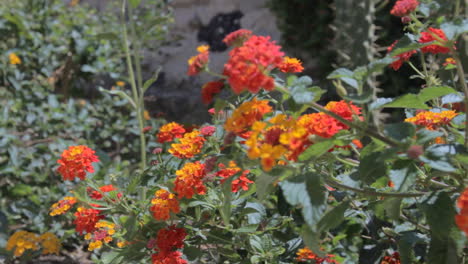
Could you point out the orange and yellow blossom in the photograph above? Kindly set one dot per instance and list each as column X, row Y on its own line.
column 290, row 65
column 198, row 62
column 14, row 59
column 101, row 235
column 189, row 146
column 22, row 241
column 76, row 161
column 170, row 131
column 163, row 203
column 432, row 120
column 50, row 243
column 246, row 114
column 189, row 180
column 62, row 206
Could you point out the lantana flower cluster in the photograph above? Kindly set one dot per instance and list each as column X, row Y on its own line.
column 22, row 241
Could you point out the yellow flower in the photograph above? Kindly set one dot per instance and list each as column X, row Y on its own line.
column 120, row 83
column 146, row 115
column 21, row 241
column 14, row 59
column 203, row 48
column 50, row 244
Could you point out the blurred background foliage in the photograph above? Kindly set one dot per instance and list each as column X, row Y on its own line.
column 51, row 101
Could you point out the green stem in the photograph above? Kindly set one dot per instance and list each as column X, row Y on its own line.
column 461, row 77
column 336, row 184
column 416, row 70
column 368, row 131
column 136, row 98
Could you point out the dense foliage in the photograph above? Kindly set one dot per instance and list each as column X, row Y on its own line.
column 277, row 177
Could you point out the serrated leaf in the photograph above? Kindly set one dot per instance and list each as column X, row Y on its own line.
column 407, row 101
column 403, row 174
column 400, row 131
column 316, row 150
column 434, row 92
column 333, row 218
column 302, row 93
column 345, row 75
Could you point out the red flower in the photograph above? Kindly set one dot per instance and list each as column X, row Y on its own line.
column 393, row 259
column 173, row 257
column 461, row 219
column 86, row 219
column 209, row 90
column 169, row 131
column 199, row 61
column 400, row 58
column 249, row 65
column 237, row 37
column 105, row 189
column 404, row 7
column 76, row 161
column 344, row 109
column 207, row 131
column 170, row 239
column 320, row 124
column 427, row 37
column 241, row 182
column 163, row 203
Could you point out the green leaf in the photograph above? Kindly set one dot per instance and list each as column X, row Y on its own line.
column 225, row 209
column 152, row 80
column 453, row 29
column 306, row 191
column 407, row 101
column 403, row 174
column 21, row 190
column 311, row 239
column 406, row 44
column 438, row 157
column 406, row 245
column 345, row 75
column 434, row 92
column 264, row 183
column 316, row 150
column 302, row 93
column 440, row 214
column 400, row 131
column 363, row 98
column 106, row 36
column 424, row 135
column 379, row 103
column 134, row 3
column 373, row 165
column 333, row 218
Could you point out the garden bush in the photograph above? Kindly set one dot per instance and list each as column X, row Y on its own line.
column 279, row 178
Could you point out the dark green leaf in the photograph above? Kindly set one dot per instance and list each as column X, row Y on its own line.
column 407, row 101
column 316, row 150
column 400, row 131
column 333, row 218
column 403, row 174
column 346, row 75
column 434, row 92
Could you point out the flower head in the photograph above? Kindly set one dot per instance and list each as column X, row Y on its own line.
column 101, row 235
column 76, row 161
column 86, row 219
column 190, row 145
column 169, row 131
column 50, row 243
column 210, row 89
column 22, row 241
column 104, row 189
column 170, row 238
column 14, row 59
column 173, row 257
column 449, row 61
column 246, row 114
column 62, row 206
column 207, row 131
column 305, row 255
column 237, row 37
column 461, row 219
column 400, row 58
column 432, row 120
column 291, row 65
column 163, row 203
column 404, row 7
column 189, row 180
column 429, row 36
column 249, row 65
column 344, row 109
column 320, row 124
column 198, row 62
column 393, row 259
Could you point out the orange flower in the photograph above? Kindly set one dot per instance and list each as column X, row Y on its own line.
column 173, row 257
column 305, row 255
column 14, row 59
column 320, row 124
column 344, row 109
column 428, row 36
column 238, row 37
column 86, row 219
column 249, row 65
column 432, row 120
column 291, row 65
column 62, row 206
column 50, row 243
column 170, row 239
column 76, row 161
column 105, row 189
column 227, row 172
column 170, row 131
column 461, row 219
column 241, row 182
column 190, row 180
column 246, row 114
column 189, row 146
column 22, row 241
column 210, row 89
column 163, row 203
column 449, row 61
column 198, row 62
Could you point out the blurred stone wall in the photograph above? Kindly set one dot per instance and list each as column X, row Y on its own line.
column 197, row 22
